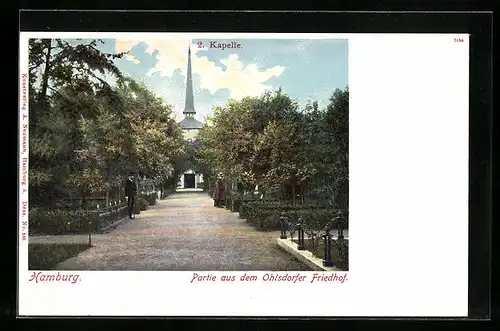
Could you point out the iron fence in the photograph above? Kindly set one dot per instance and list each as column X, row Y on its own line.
column 321, row 242
column 106, row 216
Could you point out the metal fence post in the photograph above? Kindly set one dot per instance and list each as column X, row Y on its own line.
column 283, row 223
column 340, row 231
column 291, row 228
column 90, row 233
column 301, row 245
column 327, row 259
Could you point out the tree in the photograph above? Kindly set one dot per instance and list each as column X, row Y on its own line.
column 337, row 118
column 332, row 143
column 230, row 144
column 267, row 141
column 62, row 82
column 97, row 131
column 55, row 62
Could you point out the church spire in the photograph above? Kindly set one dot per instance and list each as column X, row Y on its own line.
column 189, row 107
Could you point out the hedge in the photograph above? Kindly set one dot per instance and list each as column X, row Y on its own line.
column 47, row 256
column 62, row 221
column 150, row 198
column 59, row 221
column 339, row 250
column 240, row 205
column 280, row 206
column 266, row 215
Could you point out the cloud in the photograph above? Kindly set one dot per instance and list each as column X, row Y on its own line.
column 241, row 80
column 132, row 58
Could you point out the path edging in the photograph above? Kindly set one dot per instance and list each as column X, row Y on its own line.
column 304, row 256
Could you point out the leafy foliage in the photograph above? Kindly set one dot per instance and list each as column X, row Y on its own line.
column 90, row 125
column 290, row 153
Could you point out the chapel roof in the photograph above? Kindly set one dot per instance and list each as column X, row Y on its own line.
column 190, row 123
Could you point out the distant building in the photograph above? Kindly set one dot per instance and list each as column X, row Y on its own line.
column 190, row 127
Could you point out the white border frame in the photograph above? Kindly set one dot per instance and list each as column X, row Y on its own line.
column 408, row 201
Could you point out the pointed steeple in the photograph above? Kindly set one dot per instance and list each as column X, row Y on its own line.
column 189, row 122
column 189, row 107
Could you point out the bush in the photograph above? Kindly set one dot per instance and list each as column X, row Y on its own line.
column 313, row 219
column 62, row 221
column 59, row 221
column 241, row 205
column 339, row 251
column 167, row 192
column 47, row 256
column 141, row 204
column 151, row 198
column 266, row 215
column 342, row 260
column 273, row 206
column 235, row 205
column 73, row 203
column 228, row 204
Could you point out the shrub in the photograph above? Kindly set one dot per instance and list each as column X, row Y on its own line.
column 167, row 192
column 47, row 256
column 241, row 205
column 235, row 205
column 150, row 198
column 275, row 205
column 141, row 204
column 266, row 215
column 313, row 219
column 342, row 260
column 339, row 250
column 137, row 207
column 59, row 221
column 228, row 203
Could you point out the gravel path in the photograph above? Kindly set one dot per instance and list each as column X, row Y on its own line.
column 185, row 233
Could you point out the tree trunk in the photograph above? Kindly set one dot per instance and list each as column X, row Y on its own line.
column 302, row 189
column 83, row 195
column 45, row 77
column 109, row 188
column 293, row 194
column 107, row 197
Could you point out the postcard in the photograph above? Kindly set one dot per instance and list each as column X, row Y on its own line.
column 225, row 174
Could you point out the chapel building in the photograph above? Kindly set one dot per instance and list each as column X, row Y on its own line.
column 190, row 127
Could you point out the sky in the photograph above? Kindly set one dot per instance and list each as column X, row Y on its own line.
column 307, row 70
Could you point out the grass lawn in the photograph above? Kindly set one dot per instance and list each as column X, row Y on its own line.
column 319, row 251
column 47, row 256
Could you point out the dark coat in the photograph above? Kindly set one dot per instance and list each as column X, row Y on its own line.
column 219, row 190
column 130, row 188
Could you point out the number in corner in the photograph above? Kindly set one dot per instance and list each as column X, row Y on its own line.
column 458, row 40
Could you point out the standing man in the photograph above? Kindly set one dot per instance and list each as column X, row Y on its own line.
column 219, row 192
column 131, row 193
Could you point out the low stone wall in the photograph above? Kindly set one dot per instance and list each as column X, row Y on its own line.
column 305, row 257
